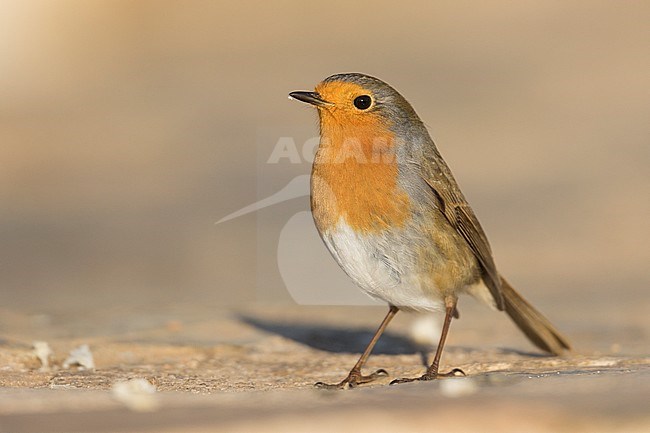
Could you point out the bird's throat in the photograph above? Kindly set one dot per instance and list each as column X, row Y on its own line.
column 354, row 178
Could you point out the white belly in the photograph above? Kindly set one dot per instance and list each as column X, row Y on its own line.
column 382, row 268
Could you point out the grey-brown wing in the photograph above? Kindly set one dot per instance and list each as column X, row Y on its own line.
column 461, row 216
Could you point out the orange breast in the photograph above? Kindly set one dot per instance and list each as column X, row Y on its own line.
column 354, row 177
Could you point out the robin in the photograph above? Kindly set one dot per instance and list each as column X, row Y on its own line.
column 392, row 215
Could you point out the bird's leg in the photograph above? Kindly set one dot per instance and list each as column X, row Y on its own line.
column 432, row 371
column 355, row 377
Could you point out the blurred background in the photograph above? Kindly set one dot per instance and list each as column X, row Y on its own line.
column 128, row 128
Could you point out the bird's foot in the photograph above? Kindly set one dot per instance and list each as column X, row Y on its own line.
column 430, row 375
column 354, row 379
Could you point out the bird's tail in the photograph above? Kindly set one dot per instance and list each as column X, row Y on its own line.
column 532, row 323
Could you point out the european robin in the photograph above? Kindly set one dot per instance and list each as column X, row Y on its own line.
column 391, row 213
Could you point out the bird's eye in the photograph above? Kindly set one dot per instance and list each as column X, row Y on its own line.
column 362, row 102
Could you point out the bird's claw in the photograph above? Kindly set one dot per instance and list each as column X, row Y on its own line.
column 430, row 376
column 354, row 379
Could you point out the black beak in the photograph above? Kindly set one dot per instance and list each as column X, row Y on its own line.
column 312, row 98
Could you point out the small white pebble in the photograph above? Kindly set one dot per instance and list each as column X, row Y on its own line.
column 136, row 394
column 458, row 387
column 43, row 352
column 425, row 330
column 80, row 356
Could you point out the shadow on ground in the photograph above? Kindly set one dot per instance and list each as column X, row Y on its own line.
column 334, row 339
column 349, row 340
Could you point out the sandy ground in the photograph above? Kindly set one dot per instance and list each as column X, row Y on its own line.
column 254, row 369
